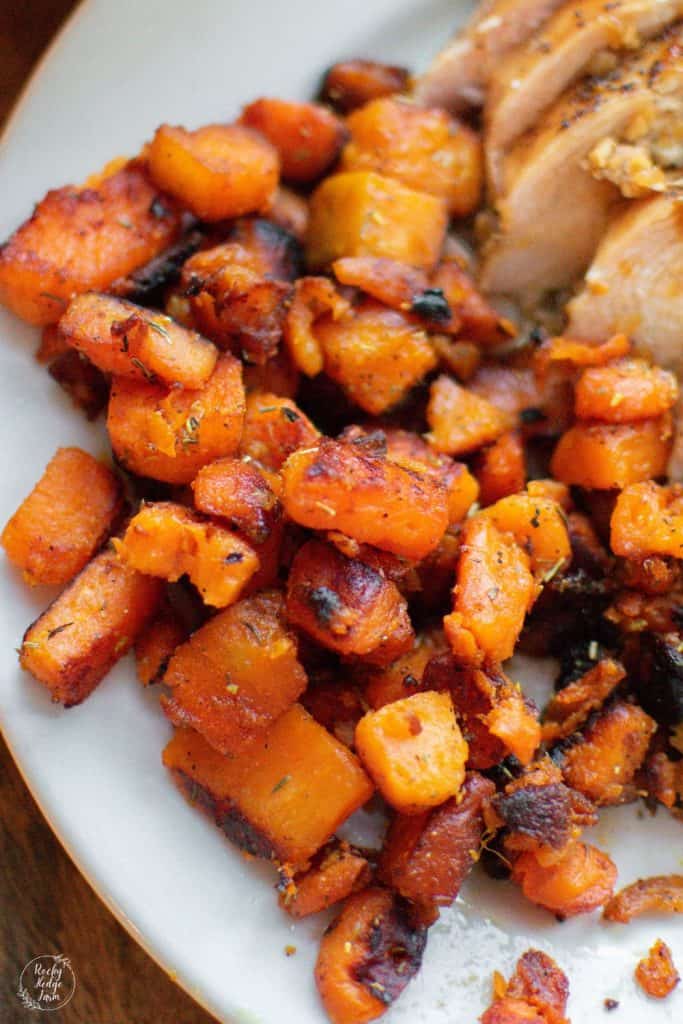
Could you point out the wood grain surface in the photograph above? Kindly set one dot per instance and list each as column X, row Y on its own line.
column 45, row 905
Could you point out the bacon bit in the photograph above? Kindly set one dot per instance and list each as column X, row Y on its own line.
column 537, row 993
column 662, row 893
column 656, row 973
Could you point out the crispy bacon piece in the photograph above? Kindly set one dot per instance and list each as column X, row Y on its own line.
column 658, row 894
column 656, row 973
column 537, row 992
column 351, row 83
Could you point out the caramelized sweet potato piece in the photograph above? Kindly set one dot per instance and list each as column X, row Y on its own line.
column 470, row 312
column 168, row 434
column 155, row 645
column 336, row 703
column 67, row 516
column 403, row 677
column 367, row 957
column 580, row 880
column 85, row 385
column 235, row 675
column 511, row 1011
column 239, row 492
column 289, row 211
column 612, row 749
column 148, row 285
column 79, row 240
column 314, row 297
column 656, row 973
column 570, row 708
column 129, row 341
column 537, row 992
column 73, row 644
column 461, row 421
column 347, row 606
column 339, row 872
column 461, row 358
column 377, row 355
column 338, row 486
column 580, row 353
column 167, row 540
column 648, row 520
column 426, row 857
column 538, row 526
column 276, row 252
column 493, row 592
column 414, row 751
column 610, row 455
column 307, row 136
column 395, row 284
column 624, row 392
column 501, row 469
column 661, row 894
column 278, row 375
column 424, row 148
column 218, row 171
column 263, row 798
column 360, row 213
column 274, row 428
column 351, row 83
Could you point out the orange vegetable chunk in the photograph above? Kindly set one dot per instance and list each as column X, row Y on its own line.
column 656, row 973
column 648, row 520
column 360, row 213
column 239, row 492
column 73, row 644
column 64, row 520
column 351, row 83
column 285, row 795
column 538, row 526
column 404, row 676
column 219, row 171
column 307, row 136
column 624, row 392
column 414, row 751
column 274, row 427
column 581, row 880
column 167, row 540
column 340, row 872
column 314, row 297
column 154, row 647
column 607, row 455
column 461, row 421
column 501, row 469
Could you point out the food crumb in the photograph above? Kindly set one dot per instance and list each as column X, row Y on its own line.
column 611, row 1004
column 290, row 950
column 656, row 973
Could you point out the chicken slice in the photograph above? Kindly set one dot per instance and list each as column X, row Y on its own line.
column 553, row 211
column 581, row 38
column 458, row 76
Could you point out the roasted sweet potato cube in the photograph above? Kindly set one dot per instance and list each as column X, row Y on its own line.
column 501, row 469
column 346, row 605
column 537, row 993
column 64, row 520
column 155, row 645
column 219, row 171
column 240, row 493
column 351, row 83
column 307, row 136
column 414, row 751
column 129, row 341
column 572, row 705
column 80, row 240
column 277, row 250
column 613, row 455
column 278, row 375
column 340, row 486
column 624, row 392
column 656, row 973
column 314, row 297
column 285, row 795
column 539, row 527
column 167, row 540
column 73, row 644
column 274, row 427
column 360, row 213
column 337, row 872
column 580, row 353
column 461, row 421
column 404, row 676
column 471, row 314
column 648, row 520
column 424, row 148
column 426, row 857
column 169, row 434
column 367, row 957
column 377, row 355
column 236, row 674
column 578, row 881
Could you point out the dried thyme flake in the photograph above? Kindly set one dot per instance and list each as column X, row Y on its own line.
column 283, row 782
column 58, row 629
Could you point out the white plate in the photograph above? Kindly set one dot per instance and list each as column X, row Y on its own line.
column 197, row 906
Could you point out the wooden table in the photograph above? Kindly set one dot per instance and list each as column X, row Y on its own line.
column 45, row 905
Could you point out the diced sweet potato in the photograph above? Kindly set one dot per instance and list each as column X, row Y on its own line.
column 314, row 297
column 278, row 375
column 403, row 677
column 580, row 353
column 471, row 314
column 73, row 644
column 377, row 355
column 277, row 252
column 570, row 708
column 360, row 213
column 461, row 358
column 338, row 486
column 284, row 796
column 167, row 540
column 512, row 1011
column 656, row 973
column 347, row 606
column 274, row 428
column 289, row 210
column 85, row 385
column 307, row 136
column 339, row 872
column 367, row 957
column 501, row 469
column 493, row 592
column 661, row 894
column 537, row 992
column 155, row 645
column 351, row 83
column 459, row 420
column 239, row 492
column 624, row 392
column 218, row 171
column 613, row 747
column 80, row 240
column 236, row 674
column 414, row 751
column 169, row 434
column 67, row 516
column 397, row 285
column 538, row 526
column 648, row 520
column 52, row 344
column 426, row 857
column 581, row 880
column 606, row 455
column 129, row 341
column 336, row 702
column 424, row 148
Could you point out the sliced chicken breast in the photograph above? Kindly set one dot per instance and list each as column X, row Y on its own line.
column 458, row 76
column 553, row 210
column 581, row 38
